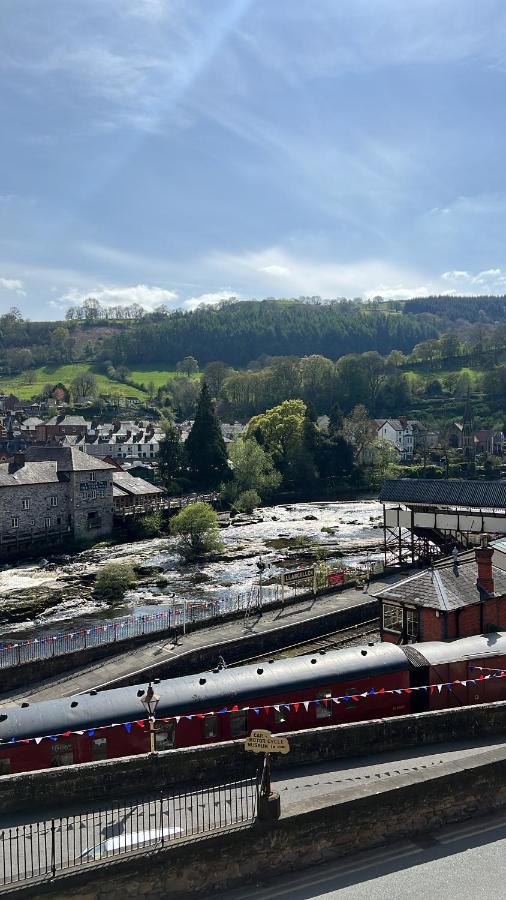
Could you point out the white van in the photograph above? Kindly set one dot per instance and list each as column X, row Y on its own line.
column 132, row 840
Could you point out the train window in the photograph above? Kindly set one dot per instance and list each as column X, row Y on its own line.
column 62, row 754
column 412, row 624
column 165, row 738
column 98, row 749
column 392, row 617
column 211, row 727
column 280, row 716
column 5, row 766
column 324, row 709
column 238, row 723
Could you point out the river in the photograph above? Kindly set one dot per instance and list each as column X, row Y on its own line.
column 57, row 594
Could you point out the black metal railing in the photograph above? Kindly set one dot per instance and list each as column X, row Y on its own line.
column 44, row 848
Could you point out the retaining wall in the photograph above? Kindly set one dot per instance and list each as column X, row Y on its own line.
column 307, row 834
column 138, row 776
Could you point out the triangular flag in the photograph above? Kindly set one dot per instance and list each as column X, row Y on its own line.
column 38, row 740
column 128, row 727
column 306, row 705
column 296, row 706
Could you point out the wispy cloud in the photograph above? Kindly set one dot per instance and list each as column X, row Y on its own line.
column 13, row 284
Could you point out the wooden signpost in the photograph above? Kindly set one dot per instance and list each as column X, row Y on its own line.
column 262, row 741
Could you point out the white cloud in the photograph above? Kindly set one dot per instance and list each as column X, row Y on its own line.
column 13, row 284
column 275, row 270
column 491, row 281
column 145, row 295
column 211, row 299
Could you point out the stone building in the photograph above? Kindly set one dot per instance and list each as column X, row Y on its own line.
column 50, row 494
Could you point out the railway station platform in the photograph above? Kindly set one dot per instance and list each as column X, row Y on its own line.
column 237, row 641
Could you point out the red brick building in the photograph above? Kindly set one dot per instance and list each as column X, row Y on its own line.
column 457, row 598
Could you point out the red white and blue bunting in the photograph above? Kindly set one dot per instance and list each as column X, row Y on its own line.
column 292, row 706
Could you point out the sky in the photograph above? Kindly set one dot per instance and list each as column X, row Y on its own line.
column 184, row 151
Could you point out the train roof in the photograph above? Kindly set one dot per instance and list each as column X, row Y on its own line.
column 478, row 646
column 203, row 691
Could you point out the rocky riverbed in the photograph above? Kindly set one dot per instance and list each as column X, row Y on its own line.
column 54, row 594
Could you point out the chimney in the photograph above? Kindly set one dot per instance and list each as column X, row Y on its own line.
column 484, row 554
column 18, row 461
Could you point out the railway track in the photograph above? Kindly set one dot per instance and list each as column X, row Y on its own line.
column 363, row 632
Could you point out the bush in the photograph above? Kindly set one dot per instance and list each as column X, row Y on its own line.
column 197, row 528
column 247, row 501
column 151, row 525
column 114, row 579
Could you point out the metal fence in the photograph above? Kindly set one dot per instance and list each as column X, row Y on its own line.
column 42, row 849
column 176, row 618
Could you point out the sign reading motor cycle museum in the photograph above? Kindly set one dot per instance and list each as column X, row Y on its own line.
column 261, row 741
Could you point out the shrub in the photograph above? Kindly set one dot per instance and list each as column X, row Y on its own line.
column 247, row 501
column 197, row 528
column 114, row 579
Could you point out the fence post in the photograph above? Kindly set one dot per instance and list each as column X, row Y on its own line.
column 53, row 848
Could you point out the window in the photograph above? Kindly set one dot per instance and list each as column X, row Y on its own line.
column 5, row 766
column 392, row 617
column 54, row 501
column 238, row 724
column 165, row 736
column 62, row 754
column 47, row 522
column 15, row 521
column 211, row 729
column 93, row 477
column 92, row 495
column 280, row 716
column 324, row 707
column 412, row 624
column 25, row 504
column 98, row 749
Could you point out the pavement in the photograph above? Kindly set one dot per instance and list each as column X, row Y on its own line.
column 122, row 664
column 459, row 862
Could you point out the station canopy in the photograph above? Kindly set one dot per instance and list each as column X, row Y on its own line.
column 451, row 493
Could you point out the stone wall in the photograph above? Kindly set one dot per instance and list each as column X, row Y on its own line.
column 309, row 833
column 135, row 776
column 194, row 660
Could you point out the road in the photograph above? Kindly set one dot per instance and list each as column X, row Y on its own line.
column 459, row 862
column 121, row 665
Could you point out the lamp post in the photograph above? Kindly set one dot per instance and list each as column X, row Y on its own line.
column 261, row 569
column 151, row 701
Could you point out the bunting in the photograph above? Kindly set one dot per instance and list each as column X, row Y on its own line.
column 291, row 707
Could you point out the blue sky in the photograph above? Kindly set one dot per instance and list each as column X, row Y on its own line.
column 180, row 151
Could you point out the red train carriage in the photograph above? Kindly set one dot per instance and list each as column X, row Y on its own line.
column 209, row 707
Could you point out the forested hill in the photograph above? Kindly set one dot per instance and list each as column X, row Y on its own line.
column 468, row 309
column 239, row 332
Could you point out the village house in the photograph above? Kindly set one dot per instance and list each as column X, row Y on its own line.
column 459, row 597
column 59, row 427
column 400, row 433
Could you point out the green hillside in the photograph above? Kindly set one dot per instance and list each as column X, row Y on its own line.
column 22, row 387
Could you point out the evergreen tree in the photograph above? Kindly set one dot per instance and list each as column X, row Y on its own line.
column 171, row 457
column 205, row 447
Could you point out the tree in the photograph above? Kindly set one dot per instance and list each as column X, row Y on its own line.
column 247, row 501
column 357, row 430
column 183, row 395
column 375, row 371
column 84, row 385
column 171, row 456
column 253, row 469
column 283, row 432
column 197, row 528
column 205, row 447
column 335, row 418
column 214, row 376
column 334, row 459
column 114, row 579
column 188, row 365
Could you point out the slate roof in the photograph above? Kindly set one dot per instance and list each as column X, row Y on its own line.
column 131, row 485
column 447, row 587
column 30, row 473
column 433, row 492
column 478, row 646
column 69, row 459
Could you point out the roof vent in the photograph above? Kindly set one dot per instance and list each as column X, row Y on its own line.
column 140, row 693
column 271, row 661
column 260, row 671
column 202, row 680
column 364, row 652
column 156, row 681
column 24, row 705
column 322, row 652
column 93, row 693
column 313, row 661
column 3, row 717
column 370, row 644
column 74, row 704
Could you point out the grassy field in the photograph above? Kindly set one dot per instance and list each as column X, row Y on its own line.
column 157, row 376
column 20, row 386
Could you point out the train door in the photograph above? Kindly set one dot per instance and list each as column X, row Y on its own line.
column 420, row 699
